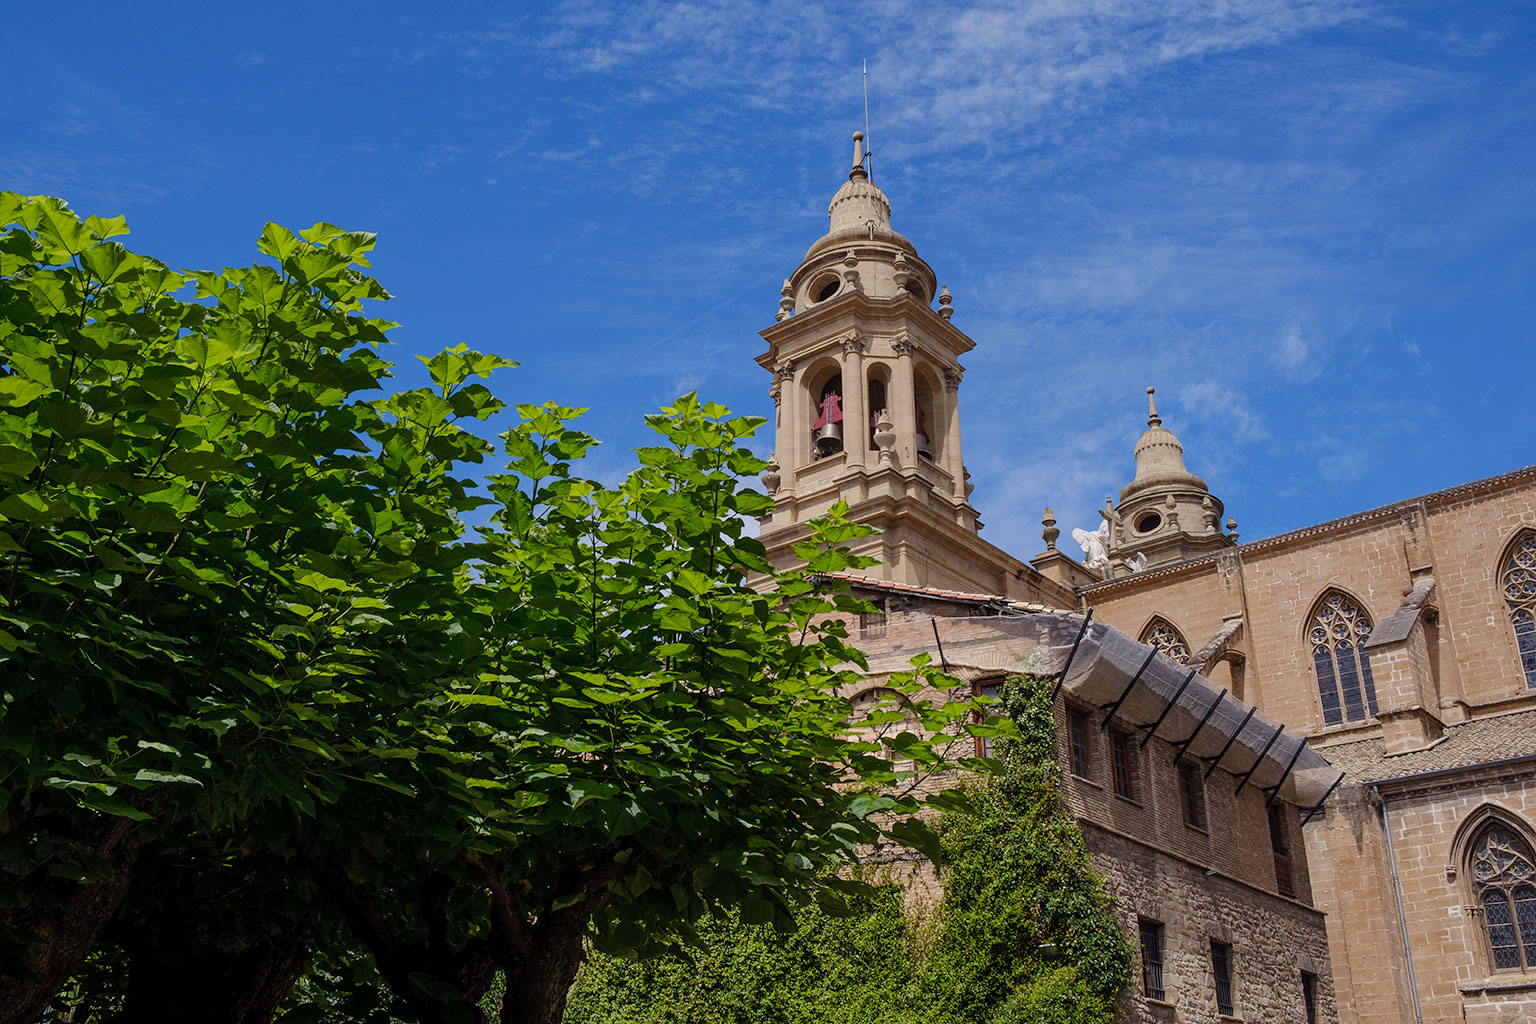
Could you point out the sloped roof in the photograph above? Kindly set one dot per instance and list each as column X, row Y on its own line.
column 1110, row 667
column 1465, row 745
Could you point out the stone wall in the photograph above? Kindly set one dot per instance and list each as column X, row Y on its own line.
column 1457, row 536
column 1273, row 939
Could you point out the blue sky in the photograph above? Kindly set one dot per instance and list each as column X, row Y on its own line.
column 1311, row 225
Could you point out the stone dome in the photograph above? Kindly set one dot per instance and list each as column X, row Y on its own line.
column 1159, row 460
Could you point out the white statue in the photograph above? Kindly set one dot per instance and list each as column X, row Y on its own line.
column 1136, row 562
column 1095, row 545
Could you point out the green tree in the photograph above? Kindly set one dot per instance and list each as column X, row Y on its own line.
column 258, row 680
column 216, row 555
column 643, row 736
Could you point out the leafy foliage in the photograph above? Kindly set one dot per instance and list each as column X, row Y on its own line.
column 828, row 970
column 1026, row 932
column 262, row 689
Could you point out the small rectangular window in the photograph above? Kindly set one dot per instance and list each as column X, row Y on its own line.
column 872, row 623
column 1152, row 959
column 1309, row 995
column 1221, row 967
column 1277, row 843
column 1192, row 795
column 1125, row 764
column 1077, row 734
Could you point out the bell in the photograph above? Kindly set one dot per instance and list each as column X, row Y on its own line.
column 829, row 437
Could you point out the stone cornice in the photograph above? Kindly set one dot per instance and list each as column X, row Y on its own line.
column 1448, row 496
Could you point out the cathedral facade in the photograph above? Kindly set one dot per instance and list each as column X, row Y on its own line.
column 1306, row 764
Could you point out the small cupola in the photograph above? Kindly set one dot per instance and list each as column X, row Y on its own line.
column 1166, row 513
column 1159, row 458
column 860, row 252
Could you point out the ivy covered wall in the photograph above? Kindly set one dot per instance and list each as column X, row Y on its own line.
column 1025, row 932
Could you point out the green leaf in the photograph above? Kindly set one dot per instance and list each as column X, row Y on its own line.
column 150, row 775
column 20, row 390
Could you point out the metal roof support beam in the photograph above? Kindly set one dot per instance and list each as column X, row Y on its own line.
column 1319, row 805
column 1167, row 708
column 1274, row 790
column 1211, row 766
column 1127, row 692
column 1061, row 677
column 1183, row 748
column 1258, row 761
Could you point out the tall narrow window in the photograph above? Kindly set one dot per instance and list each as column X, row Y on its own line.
column 1504, row 876
column 1281, row 850
column 1152, row 959
column 990, row 689
column 1170, row 643
column 1191, row 795
column 1077, row 734
column 1339, row 626
column 1309, row 995
column 1125, row 764
column 1519, row 582
column 1221, row 967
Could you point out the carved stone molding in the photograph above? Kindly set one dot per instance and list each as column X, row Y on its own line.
column 903, row 345
column 952, row 376
column 852, row 342
column 785, row 370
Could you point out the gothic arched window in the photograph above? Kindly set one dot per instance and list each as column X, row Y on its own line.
column 1518, row 579
column 1503, row 872
column 1170, row 643
column 1336, row 630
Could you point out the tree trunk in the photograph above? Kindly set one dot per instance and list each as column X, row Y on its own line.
column 537, row 989
column 57, row 940
column 172, row 976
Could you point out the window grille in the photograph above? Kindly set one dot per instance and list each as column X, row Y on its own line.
column 1309, row 995
column 1221, row 967
column 872, row 624
column 1170, row 643
column 1344, row 683
column 1519, row 583
column 1152, row 959
column 1077, row 733
column 1504, row 876
column 1125, row 764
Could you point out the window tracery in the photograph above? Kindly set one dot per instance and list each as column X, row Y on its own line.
column 1338, row 628
column 1170, row 643
column 1503, row 872
column 1518, row 580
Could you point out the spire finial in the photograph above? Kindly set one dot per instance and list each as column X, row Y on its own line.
column 1153, row 420
column 858, row 158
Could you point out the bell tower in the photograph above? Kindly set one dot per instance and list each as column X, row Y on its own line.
column 866, row 385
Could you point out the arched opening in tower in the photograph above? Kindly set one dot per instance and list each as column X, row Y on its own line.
column 877, row 404
column 827, row 430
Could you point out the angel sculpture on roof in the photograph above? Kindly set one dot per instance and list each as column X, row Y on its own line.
column 1095, row 545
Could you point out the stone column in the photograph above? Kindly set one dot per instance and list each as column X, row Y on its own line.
column 954, row 464
column 790, row 437
column 903, row 402
column 855, row 405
